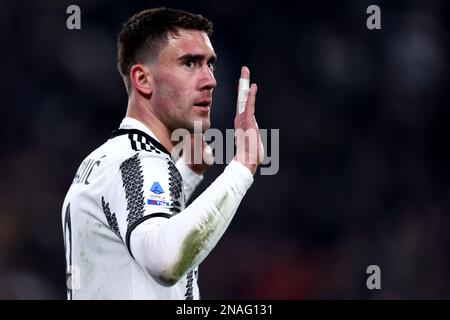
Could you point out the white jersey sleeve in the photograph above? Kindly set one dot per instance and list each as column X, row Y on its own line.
column 168, row 248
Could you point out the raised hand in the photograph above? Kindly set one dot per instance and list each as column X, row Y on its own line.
column 249, row 148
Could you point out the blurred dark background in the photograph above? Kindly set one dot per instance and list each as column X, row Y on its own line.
column 364, row 154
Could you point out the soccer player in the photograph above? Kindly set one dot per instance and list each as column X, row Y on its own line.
column 127, row 231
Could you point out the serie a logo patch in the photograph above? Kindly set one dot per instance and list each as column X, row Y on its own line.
column 156, row 188
column 157, row 198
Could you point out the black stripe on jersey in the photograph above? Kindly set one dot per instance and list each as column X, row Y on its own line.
column 133, row 144
column 133, row 183
column 110, row 217
column 138, row 222
column 189, row 288
column 158, row 146
column 175, row 187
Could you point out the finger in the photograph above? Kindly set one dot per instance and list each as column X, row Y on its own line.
column 250, row 105
column 208, row 156
column 243, row 90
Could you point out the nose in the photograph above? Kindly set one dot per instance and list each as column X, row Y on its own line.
column 207, row 81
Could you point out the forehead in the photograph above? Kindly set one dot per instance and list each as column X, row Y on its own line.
column 193, row 42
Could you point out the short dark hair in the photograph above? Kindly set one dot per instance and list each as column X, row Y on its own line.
column 145, row 34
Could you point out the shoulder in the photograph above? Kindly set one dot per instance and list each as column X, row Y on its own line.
column 135, row 150
column 136, row 140
column 129, row 151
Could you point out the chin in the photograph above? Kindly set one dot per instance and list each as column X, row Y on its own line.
column 199, row 124
column 206, row 124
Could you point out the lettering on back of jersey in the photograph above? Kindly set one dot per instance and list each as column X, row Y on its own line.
column 84, row 171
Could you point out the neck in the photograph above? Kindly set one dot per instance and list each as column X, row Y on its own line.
column 147, row 117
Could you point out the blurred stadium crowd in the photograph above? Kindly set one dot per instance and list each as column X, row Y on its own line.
column 364, row 164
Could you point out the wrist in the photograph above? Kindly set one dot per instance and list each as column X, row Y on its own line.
column 248, row 164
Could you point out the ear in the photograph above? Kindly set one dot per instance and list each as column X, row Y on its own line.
column 140, row 79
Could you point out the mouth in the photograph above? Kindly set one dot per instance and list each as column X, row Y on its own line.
column 203, row 104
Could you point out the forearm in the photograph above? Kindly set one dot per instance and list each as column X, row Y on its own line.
column 169, row 248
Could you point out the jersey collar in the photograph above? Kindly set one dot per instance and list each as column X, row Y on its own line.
column 131, row 125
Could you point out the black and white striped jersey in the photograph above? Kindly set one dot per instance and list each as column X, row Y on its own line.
column 128, row 180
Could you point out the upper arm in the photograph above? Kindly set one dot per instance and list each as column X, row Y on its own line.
column 143, row 187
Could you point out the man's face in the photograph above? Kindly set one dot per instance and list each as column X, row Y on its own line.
column 183, row 80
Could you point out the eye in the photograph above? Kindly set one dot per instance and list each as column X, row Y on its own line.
column 189, row 63
column 211, row 66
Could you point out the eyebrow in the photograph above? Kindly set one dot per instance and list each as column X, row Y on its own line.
column 197, row 57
